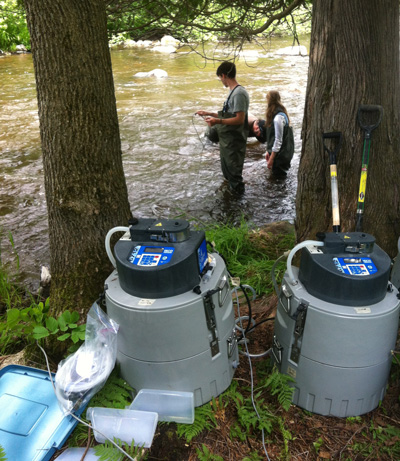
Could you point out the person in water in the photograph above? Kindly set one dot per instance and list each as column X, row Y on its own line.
column 279, row 135
column 257, row 129
column 229, row 127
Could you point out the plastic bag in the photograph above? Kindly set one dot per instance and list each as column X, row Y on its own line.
column 85, row 372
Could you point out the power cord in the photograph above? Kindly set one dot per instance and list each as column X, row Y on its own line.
column 251, row 371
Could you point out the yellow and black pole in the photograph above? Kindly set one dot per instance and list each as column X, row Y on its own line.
column 369, row 118
column 337, row 139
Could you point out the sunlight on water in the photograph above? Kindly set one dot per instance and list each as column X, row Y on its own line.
column 169, row 168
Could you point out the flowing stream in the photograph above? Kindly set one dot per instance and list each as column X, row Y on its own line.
column 170, row 170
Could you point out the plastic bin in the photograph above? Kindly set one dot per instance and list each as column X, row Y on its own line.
column 170, row 405
column 126, row 425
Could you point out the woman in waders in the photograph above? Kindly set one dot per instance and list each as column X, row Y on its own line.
column 279, row 134
column 229, row 127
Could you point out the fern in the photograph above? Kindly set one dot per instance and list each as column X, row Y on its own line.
column 2, row 454
column 204, row 454
column 203, row 419
column 280, row 385
column 115, row 394
column 108, row 452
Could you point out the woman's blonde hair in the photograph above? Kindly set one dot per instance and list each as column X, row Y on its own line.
column 274, row 105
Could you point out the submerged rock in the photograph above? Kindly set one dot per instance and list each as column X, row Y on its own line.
column 293, row 51
column 158, row 73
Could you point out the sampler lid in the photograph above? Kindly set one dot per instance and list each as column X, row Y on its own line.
column 32, row 425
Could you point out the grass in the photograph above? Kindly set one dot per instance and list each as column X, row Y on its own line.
column 250, row 253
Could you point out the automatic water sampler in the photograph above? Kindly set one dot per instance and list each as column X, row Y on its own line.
column 336, row 324
column 172, row 301
column 337, row 319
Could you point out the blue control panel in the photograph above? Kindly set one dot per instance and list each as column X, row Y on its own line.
column 355, row 266
column 143, row 255
column 202, row 255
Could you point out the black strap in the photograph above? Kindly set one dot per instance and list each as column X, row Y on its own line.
column 225, row 107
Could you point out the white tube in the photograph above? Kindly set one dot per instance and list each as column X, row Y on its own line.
column 108, row 238
column 294, row 250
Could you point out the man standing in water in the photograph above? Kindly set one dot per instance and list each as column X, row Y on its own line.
column 230, row 127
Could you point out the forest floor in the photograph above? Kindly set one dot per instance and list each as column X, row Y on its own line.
column 305, row 436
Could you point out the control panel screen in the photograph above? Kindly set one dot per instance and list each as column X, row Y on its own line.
column 355, row 266
column 202, row 255
column 150, row 256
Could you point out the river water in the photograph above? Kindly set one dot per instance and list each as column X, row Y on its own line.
column 170, row 170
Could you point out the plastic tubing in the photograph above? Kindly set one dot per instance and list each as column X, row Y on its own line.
column 294, row 250
column 108, row 239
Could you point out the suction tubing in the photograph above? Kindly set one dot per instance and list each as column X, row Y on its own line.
column 294, row 250
column 108, row 239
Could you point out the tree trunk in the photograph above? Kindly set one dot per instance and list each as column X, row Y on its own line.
column 85, row 185
column 354, row 59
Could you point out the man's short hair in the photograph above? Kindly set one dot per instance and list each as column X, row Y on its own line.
column 227, row 68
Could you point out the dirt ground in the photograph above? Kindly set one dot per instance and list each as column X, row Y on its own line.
column 314, row 437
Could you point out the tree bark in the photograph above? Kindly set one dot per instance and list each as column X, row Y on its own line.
column 354, row 59
column 85, row 186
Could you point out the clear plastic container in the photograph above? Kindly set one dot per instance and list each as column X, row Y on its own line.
column 170, row 405
column 126, row 425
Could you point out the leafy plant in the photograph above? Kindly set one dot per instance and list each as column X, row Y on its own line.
column 2, row 454
column 318, row 444
column 108, row 452
column 65, row 321
column 204, row 454
column 13, row 28
column 26, row 325
column 249, row 258
column 280, row 385
column 204, row 418
column 116, row 393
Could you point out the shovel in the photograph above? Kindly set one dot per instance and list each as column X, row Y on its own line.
column 369, row 118
column 337, row 138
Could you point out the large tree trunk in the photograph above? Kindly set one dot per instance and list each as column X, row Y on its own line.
column 85, row 185
column 354, row 59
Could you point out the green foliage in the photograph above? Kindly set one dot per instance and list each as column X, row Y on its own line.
column 2, row 454
column 250, row 254
column 116, row 393
column 318, row 444
column 280, row 385
column 204, row 418
column 196, row 20
column 25, row 325
column 204, row 454
column 13, row 28
column 385, row 443
column 108, row 452
column 10, row 293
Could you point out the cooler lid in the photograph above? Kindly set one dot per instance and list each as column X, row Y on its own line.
column 32, row 425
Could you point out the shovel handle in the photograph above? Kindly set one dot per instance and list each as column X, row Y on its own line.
column 337, row 135
column 369, row 128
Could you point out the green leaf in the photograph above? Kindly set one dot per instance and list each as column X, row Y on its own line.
column 52, row 324
column 62, row 323
column 40, row 332
column 74, row 317
column 67, row 316
column 63, row 337
column 13, row 316
column 77, row 335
